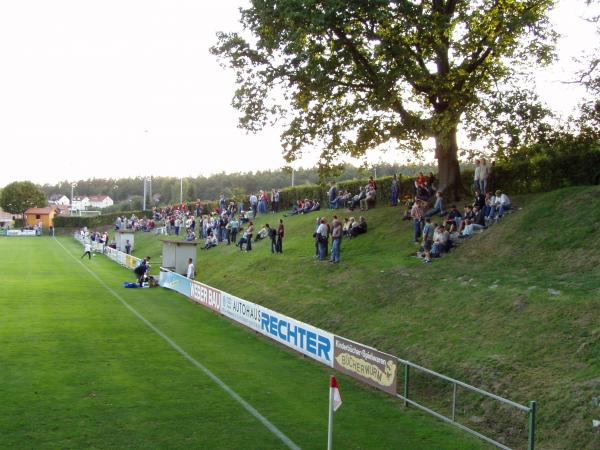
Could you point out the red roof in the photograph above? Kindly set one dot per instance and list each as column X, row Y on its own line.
column 46, row 210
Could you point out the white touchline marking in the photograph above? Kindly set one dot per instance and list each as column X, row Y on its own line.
column 247, row 406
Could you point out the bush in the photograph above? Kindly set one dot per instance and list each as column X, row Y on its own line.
column 290, row 195
column 93, row 222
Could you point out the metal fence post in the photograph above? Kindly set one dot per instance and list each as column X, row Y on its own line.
column 454, row 402
column 406, row 375
column 531, row 433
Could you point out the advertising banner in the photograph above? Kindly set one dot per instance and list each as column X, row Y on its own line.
column 366, row 364
column 205, row 295
column 176, row 282
column 2, row 232
column 304, row 338
column 241, row 311
column 20, row 233
column 131, row 261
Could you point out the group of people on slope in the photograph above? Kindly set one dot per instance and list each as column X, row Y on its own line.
column 366, row 195
column 437, row 239
column 336, row 231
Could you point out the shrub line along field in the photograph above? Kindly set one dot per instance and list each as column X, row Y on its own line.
column 80, row 370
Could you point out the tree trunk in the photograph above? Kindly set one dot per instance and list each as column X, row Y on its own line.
column 446, row 153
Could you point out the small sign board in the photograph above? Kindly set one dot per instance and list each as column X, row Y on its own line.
column 366, row 364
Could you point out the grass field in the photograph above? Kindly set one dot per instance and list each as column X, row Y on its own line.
column 515, row 310
column 80, row 369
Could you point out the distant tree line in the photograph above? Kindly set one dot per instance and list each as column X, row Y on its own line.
column 127, row 192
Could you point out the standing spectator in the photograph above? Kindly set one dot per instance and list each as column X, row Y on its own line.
column 177, row 226
column 222, row 202
column 280, row 234
column 416, row 213
column 372, row 184
column 234, row 229
column 191, row 270
column 322, row 238
column 428, row 231
column 395, row 188
column 249, row 232
column 128, row 247
column 254, row 205
column 275, row 201
column 484, row 174
column 477, row 176
column 273, row 237
column 332, row 196
column 336, row 241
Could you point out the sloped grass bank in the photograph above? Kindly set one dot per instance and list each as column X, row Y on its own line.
column 515, row 309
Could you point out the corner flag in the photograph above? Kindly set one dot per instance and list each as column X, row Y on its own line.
column 337, row 398
column 335, row 401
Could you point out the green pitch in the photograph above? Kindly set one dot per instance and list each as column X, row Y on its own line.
column 79, row 369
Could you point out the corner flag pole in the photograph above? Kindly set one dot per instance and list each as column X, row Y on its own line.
column 330, row 429
column 335, row 400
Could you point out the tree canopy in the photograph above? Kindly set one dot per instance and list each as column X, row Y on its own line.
column 351, row 75
column 19, row 196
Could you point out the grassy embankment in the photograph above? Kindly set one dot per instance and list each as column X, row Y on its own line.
column 515, row 310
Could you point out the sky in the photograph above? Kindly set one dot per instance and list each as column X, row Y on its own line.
column 129, row 88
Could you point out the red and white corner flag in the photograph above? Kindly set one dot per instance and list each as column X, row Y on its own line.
column 335, row 401
column 336, row 397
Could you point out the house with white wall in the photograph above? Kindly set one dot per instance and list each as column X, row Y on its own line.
column 100, row 201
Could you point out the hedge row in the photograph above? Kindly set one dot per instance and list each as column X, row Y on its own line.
column 93, row 221
column 290, row 195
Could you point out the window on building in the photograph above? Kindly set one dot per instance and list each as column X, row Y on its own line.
column 37, row 216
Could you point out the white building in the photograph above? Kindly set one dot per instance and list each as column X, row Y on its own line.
column 100, row 201
column 58, row 199
column 80, row 203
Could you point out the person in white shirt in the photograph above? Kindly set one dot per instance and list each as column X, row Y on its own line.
column 191, row 270
column 484, row 173
column 87, row 250
column 500, row 203
column 211, row 241
column 477, row 176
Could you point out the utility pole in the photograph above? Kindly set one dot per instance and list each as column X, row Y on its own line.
column 144, row 202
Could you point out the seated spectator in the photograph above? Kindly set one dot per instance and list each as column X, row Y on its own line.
column 470, row 228
column 262, row 233
column 499, row 204
column 438, row 206
column 478, row 216
column 211, row 241
column 479, row 200
column 190, row 236
column 467, row 215
column 316, row 206
column 357, row 198
column 370, row 196
column 346, row 226
column 359, row 227
column 408, row 204
column 244, row 217
column 453, row 219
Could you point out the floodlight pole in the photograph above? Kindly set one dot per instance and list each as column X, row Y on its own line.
column 144, row 202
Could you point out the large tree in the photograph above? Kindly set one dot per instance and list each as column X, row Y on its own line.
column 19, row 196
column 356, row 74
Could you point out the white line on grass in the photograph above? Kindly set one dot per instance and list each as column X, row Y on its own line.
column 272, row 428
